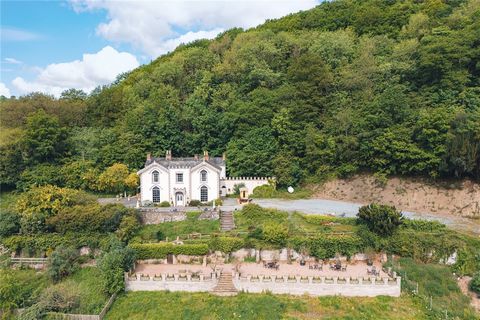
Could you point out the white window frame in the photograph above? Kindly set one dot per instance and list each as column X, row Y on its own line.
column 202, row 173
column 178, row 175
column 154, row 197
column 155, row 176
column 202, row 195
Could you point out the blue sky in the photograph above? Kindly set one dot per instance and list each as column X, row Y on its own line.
column 50, row 46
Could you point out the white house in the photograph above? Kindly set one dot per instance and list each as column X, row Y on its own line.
column 180, row 180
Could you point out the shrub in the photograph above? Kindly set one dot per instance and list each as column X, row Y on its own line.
column 275, row 233
column 91, row 218
column 195, row 203
column 225, row 244
column 77, row 174
column 161, row 250
column 42, row 243
column 128, row 227
column 164, row 204
column 265, row 191
column 40, row 175
column 9, row 223
column 40, row 203
column 62, row 263
column 19, row 288
column 474, row 284
column 62, row 297
column 381, row 219
column 116, row 178
column 113, row 264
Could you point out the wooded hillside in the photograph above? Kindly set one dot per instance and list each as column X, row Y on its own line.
column 380, row 85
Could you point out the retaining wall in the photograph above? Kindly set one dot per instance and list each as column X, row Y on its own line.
column 172, row 282
column 319, row 286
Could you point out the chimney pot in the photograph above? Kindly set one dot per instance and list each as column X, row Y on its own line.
column 195, row 156
column 168, row 155
column 149, row 156
column 205, row 155
column 224, row 156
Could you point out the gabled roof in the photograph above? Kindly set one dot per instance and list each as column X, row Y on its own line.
column 151, row 164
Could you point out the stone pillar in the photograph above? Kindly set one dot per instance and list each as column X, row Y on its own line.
column 257, row 256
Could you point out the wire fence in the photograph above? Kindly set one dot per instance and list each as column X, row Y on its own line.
column 435, row 309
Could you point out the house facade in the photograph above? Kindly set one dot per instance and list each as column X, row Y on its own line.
column 181, row 180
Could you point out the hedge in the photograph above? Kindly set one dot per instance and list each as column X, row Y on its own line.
column 226, row 244
column 161, row 250
column 324, row 247
column 41, row 243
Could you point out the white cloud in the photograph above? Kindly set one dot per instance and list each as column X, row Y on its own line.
column 156, row 26
column 4, row 91
column 14, row 34
column 93, row 70
column 12, row 61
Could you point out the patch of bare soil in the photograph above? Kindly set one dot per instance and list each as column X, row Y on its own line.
column 475, row 300
column 458, row 199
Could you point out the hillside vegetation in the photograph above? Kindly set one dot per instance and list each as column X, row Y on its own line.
column 386, row 86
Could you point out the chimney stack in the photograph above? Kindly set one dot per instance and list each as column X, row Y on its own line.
column 168, row 155
column 224, row 156
column 205, row 155
column 195, row 156
column 149, row 156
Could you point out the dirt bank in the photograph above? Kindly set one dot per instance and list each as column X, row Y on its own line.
column 459, row 199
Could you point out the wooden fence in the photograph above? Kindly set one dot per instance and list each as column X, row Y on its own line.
column 29, row 260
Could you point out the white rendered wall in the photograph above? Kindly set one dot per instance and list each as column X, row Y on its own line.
column 212, row 183
column 184, row 186
column 250, row 183
column 147, row 184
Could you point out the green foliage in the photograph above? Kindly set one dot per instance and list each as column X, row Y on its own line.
column 19, row 288
column 116, row 179
column 225, row 244
column 381, row 219
column 9, row 223
column 40, row 203
column 40, row 175
column 328, row 246
column 91, row 218
column 113, row 264
column 166, row 204
column 237, row 187
column 161, row 250
column 128, row 227
column 270, row 191
column 62, row 262
column 44, row 139
column 437, row 282
column 275, row 233
column 347, row 86
column 39, row 244
column 194, row 203
column 474, row 284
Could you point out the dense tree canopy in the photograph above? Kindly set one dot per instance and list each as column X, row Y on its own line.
column 385, row 86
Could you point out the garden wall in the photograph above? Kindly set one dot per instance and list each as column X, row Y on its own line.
column 319, row 286
column 170, row 282
column 161, row 215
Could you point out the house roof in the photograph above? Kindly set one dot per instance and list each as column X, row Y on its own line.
column 216, row 162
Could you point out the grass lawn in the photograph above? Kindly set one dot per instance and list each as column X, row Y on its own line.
column 176, row 305
column 435, row 281
column 155, row 232
column 90, row 289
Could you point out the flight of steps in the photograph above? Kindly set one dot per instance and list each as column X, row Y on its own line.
column 226, row 221
column 225, row 286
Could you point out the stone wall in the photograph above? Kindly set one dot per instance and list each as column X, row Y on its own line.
column 161, row 215
column 171, row 282
column 286, row 284
column 319, row 286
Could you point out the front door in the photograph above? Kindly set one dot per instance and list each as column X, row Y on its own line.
column 179, row 199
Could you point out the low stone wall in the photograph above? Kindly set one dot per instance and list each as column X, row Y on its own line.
column 319, row 286
column 161, row 215
column 171, row 282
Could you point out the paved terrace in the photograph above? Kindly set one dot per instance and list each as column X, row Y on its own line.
column 357, row 269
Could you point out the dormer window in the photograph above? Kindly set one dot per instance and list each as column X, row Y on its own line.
column 155, row 176
column 203, row 176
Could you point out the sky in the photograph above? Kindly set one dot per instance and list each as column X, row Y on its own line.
column 51, row 46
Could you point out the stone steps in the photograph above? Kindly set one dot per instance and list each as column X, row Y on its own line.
column 225, row 286
column 226, row 221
